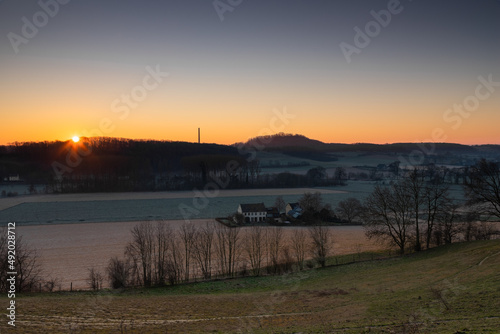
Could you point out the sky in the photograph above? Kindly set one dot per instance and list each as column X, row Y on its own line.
column 338, row 71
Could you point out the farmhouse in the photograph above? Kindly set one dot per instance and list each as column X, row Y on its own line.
column 293, row 210
column 253, row 212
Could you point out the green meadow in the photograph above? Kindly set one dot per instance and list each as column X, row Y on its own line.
column 450, row 289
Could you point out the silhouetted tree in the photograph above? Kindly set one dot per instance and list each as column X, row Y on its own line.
column 299, row 246
column 280, row 204
column 320, row 243
column 316, row 176
column 95, row 279
column 187, row 235
column 275, row 242
column 413, row 184
column 388, row 215
column 227, row 249
column 483, row 187
column 311, row 202
column 339, row 175
column 141, row 251
column 448, row 223
column 254, row 246
column 118, row 273
column 350, row 209
column 437, row 205
column 203, row 247
column 25, row 262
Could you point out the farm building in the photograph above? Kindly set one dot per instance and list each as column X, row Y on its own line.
column 293, row 210
column 253, row 212
column 273, row 214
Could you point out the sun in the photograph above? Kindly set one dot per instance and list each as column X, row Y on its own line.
column 76, row 139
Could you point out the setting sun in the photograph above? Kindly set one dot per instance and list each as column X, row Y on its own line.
column 76, row 139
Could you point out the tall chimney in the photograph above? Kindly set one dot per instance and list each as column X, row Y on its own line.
column 199, row 136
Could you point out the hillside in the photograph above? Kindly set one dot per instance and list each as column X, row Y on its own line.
column 287, row 142
column 451, row 289
column 301, row 147
column 283, row 141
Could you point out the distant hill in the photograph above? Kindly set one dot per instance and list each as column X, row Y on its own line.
column 296, row 142
column 284, row 141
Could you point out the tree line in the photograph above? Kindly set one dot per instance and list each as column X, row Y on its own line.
column 117, row 164
column 114, row 164
column 158, row 255
column 418, row 212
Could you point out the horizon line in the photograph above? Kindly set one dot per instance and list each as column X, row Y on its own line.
column 249, row 139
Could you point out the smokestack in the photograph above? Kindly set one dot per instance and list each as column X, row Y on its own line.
column 199, row 136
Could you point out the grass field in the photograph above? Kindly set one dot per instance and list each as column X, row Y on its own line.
column 451, row 289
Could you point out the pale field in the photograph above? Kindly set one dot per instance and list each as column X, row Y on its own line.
column 6, row 203
column 68, row 248
column 67, row 251
column 122, row 207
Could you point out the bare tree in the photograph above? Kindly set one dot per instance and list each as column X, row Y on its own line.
column 339, row 175
column 234, row 249
column 95, row 279
column 118, row 273
column 141, row 252
column 25, row 264
column 275, row 239
column 483, row 187
column 287, row 261
column 187, row 235
column 254, row 248
column 475, row 229
column 163, row 234
column 280, row 204
column 388, row 215
column 202, row 249
column 448, row 224
column 414, row 186
column 175, row 262
column 316, row 176
column 320, row 243
column 311, row 202
column 299, row 246
column 227, row 249
column 350, row 209
column 436, row 204
column 148, row 253
column 51, row 283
